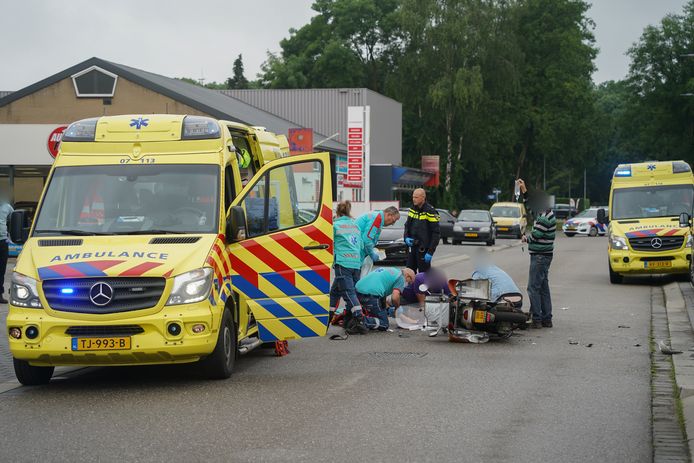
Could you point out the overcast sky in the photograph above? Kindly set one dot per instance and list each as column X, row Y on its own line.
column 202, row 38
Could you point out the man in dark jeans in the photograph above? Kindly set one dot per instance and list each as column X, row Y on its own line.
column 541, row 247
column 5, row 211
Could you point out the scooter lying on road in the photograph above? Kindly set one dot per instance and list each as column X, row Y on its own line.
column 473, row 316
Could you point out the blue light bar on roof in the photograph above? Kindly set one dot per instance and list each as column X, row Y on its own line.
column 623, row 171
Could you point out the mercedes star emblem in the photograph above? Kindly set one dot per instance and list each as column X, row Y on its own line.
column 100, row 294
column 656, row 243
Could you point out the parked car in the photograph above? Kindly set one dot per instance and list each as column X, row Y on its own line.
column 474, row 225
column 585, row 223
column 446, row 222
column 392, row 242
column 30, row 207
column 564, row 211
column 509, row 218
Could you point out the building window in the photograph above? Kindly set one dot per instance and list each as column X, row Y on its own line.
column 94, row 82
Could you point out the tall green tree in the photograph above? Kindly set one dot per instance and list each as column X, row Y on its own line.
column 238, row 79
column 660, row 114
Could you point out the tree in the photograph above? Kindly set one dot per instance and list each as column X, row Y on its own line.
column 238, row 80
column 659, row 117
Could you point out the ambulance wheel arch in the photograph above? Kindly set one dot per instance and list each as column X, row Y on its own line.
column 279, row 240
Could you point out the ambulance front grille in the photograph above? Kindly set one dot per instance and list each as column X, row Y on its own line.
column 656, row 243
column 127, row 293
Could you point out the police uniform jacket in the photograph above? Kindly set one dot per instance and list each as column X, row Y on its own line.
column 422, row 225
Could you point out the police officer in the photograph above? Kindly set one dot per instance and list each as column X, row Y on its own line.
column 421, row 232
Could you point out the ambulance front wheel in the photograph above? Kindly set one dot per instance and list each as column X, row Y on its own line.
column 30, row 375
column 220, row 363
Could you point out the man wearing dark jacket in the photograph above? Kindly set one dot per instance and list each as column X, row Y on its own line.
column 541, row 247
column 421, row 232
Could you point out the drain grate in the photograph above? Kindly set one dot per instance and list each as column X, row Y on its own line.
column 397, row 355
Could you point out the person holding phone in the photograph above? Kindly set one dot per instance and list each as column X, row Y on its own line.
column 541, row 248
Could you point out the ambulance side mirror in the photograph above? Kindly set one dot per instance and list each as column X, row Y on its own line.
column 602, row 216
column 236, row 225
column 18, row 226
column 684, row 220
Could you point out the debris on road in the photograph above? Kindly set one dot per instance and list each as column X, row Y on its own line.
column 572, row 342
column 623, row 326
column 590, row 344
column 667, row 350
column 564, row 308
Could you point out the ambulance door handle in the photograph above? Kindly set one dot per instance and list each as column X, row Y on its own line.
column 315, row 247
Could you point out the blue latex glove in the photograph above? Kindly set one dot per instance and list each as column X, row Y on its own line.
column 428, row 257
column 409, row 242
column 374, row 257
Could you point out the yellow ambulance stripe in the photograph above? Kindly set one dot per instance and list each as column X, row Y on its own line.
column 283, row 332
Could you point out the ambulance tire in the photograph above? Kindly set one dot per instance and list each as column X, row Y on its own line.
column 615, row 278
column 30, row 375
column 220, row 363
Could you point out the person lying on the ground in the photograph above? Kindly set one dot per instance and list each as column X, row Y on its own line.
column 435, row 281
column 372, row 290
column 500, row 282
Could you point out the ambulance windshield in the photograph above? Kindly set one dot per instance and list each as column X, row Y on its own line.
column 130, row 199
column 652, row 201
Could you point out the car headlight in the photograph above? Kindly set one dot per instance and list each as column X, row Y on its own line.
column 618, row 242
column 689, row 241
column 515, row 222
column 400, row 240
column 457, row 228
column 189, row 287
column 23, row 292
column 484, row 229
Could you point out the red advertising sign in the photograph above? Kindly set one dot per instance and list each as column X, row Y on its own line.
column 431, row 164
column 300, row 141
column 54, row 140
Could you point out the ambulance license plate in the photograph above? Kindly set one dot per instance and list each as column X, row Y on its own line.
column 503, row 228
column 110, row 343
column 471, row 235
column 657, row 264
column 480, row 316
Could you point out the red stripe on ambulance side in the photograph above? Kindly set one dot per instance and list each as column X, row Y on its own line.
column 104, row 264
column 327, row 214
column 317, row 235
column 272, row 261
column 299, row 252
column 139, row 269
column 218, row 250
column 213, row 263
column 244, row 270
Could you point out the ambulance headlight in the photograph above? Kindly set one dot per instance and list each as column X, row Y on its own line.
column 84, row 130
column 193, row 286
column 689, row 241
column 23, row 292
column 200, row 128
column 618, row 242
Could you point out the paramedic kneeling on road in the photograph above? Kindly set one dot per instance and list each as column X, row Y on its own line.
column 421, row 232
column 375, row 287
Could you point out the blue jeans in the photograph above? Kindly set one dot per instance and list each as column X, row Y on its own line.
column 378, row 315
column 538, row 287
column 343, row 288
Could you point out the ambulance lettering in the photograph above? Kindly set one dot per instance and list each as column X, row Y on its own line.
column 127, row 254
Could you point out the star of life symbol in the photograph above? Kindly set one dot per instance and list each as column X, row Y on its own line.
column 651, row 167
column 139, row 123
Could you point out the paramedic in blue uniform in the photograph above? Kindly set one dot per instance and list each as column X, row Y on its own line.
column 371, row 225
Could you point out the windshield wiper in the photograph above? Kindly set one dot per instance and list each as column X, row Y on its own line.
column 71, row 232
column 152, row 232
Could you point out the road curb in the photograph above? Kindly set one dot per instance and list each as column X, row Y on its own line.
column 681, row 339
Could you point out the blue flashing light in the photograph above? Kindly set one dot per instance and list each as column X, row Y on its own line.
column 623, row 172
column 67, row 290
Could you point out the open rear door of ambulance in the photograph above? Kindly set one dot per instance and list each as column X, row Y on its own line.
column 283, row 248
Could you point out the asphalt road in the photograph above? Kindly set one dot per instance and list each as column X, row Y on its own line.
column 379, row 397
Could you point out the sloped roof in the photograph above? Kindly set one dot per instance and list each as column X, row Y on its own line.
column 203, row 99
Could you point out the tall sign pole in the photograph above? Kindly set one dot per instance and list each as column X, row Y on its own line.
column 358, row 150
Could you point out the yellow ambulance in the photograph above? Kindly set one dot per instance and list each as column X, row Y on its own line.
column 644, row 233
column 170, row 239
